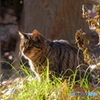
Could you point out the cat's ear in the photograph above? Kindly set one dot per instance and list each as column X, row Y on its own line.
column 37, row 36
column 21, row 35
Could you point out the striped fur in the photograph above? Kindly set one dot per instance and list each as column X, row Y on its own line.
column 61, row 54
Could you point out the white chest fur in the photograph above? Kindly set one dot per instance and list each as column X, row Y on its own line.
column 32, row 67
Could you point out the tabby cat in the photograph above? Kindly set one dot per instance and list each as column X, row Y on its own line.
column 61, row 54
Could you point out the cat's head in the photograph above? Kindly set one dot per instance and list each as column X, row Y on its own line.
column 31, row 43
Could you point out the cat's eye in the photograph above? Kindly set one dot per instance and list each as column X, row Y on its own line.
column 30, row 47
column 37, row 47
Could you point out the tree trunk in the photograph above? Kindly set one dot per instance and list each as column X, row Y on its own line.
column 55, row 19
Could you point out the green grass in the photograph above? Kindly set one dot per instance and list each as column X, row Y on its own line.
column 29, row 88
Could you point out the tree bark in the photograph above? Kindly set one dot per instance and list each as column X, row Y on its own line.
column 55, row 19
